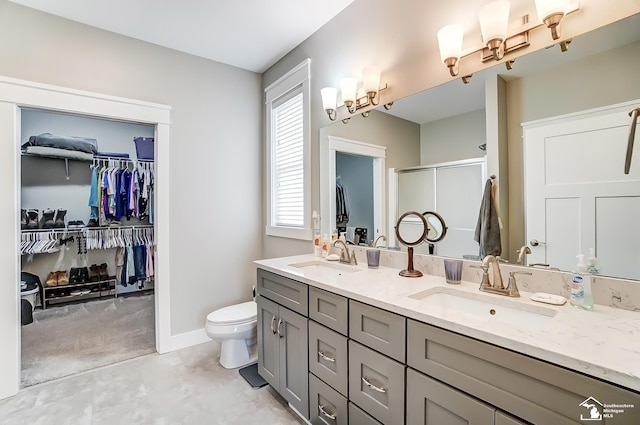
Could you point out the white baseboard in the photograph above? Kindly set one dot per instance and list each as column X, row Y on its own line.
column 189, row 339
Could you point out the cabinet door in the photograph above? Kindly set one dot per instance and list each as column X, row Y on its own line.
column 503, row 419
column 358, row 417
column 294, row 356
column 328, row 356
column 429, row 402
column 376, row 384
column 268, row 342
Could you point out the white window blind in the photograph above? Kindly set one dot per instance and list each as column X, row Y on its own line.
column 287, row 124
column 289, row 162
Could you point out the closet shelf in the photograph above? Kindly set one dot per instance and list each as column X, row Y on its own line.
column 81, row 229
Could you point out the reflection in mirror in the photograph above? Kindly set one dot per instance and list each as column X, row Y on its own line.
column 452, row 121
column 411, row 230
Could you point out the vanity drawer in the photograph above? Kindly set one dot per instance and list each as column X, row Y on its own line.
column 358, row 417
column 286, row 292
column 379, row 329
column 328, row 356
column 525, row 387
column 376, row 384
column 329, row 309
column 326, row 405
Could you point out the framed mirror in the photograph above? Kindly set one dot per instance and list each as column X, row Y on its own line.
column 454, row 122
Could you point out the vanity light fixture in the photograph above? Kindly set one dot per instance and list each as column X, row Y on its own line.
column 499, row 36
column 551, row 13
column 494, row 23
column 352, row 98
column 329, row 100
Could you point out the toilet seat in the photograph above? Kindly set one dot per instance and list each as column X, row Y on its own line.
column 232, row 315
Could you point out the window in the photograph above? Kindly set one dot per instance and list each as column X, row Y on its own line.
column 287, row 108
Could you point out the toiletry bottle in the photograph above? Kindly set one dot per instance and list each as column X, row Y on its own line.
column 592, row 264
column 325, row 245
column 317, row 246
column 581, row 295
column 334, row 236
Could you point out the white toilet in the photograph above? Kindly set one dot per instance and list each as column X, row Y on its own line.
column 235, row 327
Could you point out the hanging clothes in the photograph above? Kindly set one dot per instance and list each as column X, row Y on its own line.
column 342, row 205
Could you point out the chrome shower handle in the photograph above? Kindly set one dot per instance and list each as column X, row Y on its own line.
column 632, row 135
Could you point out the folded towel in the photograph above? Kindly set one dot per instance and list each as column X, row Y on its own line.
column 487, row 232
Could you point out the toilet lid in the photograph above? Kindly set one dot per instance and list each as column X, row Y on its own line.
column 234, row 314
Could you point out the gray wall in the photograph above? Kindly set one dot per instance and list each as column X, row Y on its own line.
column 356, row 177
column 215, row 144
column 453, row 138
column 604, row 79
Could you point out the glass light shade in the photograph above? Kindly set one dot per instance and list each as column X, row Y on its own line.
column 494, row 20
column 348, row 89
column 371, row 79
column 450, row 42
column 329, row 98
column 545, row 8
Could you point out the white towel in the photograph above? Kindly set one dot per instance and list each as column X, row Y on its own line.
column 351, row 234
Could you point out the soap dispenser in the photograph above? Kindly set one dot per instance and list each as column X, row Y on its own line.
column 581, row 295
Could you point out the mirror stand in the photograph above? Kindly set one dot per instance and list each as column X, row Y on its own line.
column 410, row 271
column 410, row 234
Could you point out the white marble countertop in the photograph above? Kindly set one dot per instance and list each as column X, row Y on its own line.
column 603, row 343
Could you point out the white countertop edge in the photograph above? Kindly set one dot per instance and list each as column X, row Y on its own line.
column 615, row 360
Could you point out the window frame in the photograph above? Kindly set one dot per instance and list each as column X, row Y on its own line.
column 294, row 80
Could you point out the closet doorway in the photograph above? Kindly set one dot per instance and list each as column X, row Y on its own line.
column 87, row 243
column 18, row 98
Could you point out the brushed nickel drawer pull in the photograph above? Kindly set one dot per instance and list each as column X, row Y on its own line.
column 273, row 321
column 325, row 357
column 280, row 334
column 324, row 412
column 373, row 387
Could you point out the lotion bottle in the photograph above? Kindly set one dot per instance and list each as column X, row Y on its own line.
column 325, row 245
column 581, row 295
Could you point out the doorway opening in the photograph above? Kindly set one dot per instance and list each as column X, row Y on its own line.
column 336, row 152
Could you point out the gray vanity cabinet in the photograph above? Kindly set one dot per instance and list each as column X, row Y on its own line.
column 330, row 310
column 283, row 337
column 326, row 405
column 502, row 419
column 376, row 384
column 429, row 402
column 328, row 356
column 358, row 417
column 282, row 352
column 379, row 329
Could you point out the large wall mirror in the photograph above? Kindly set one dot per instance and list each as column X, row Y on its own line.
column 444, row 130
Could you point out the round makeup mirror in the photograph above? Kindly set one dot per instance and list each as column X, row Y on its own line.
column 437, row 229
column 411, row 230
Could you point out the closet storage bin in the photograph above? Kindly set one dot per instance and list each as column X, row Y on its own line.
column 144, row 147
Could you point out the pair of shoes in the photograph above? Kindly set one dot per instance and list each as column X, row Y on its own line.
column 23, row 219
column 75, row 224
column 79, row 275
column 52, row 219
column 57, row 278
column 93, row 222
column 99, row 272
column 32, row 219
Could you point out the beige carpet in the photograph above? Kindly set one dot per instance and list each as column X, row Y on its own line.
column 75, row 338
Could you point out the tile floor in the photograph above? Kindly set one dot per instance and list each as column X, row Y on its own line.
column 187, row 387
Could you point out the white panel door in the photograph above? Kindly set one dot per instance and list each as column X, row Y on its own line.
column 577, row 195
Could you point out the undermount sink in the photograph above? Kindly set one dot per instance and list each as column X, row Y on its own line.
column 325, row 265
column 451, row 304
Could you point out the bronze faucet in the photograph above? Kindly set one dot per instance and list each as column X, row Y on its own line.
column 345, row 256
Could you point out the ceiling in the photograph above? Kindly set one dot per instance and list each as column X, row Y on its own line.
column 249, row 34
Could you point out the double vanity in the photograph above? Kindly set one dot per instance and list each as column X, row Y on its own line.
column 347, row 344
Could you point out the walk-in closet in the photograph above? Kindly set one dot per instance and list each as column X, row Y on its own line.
column 87, row 243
